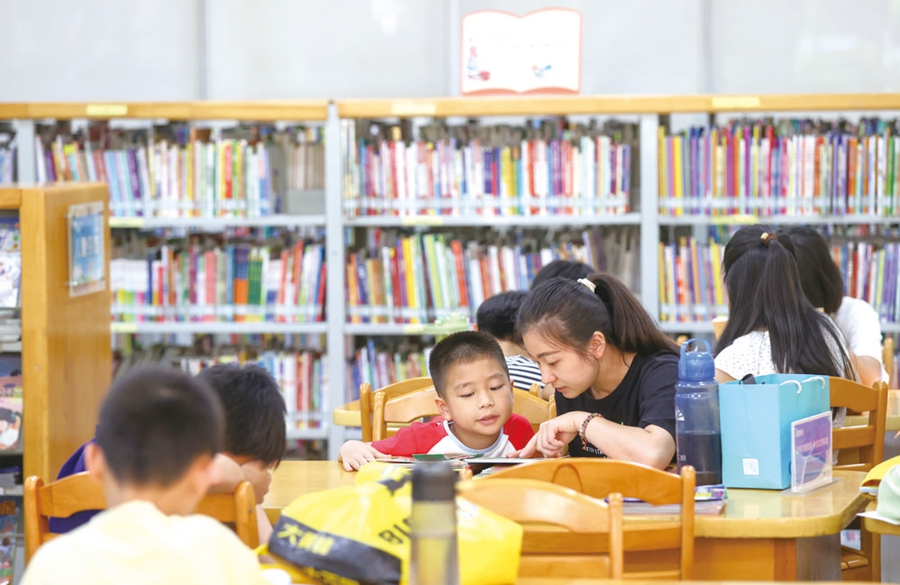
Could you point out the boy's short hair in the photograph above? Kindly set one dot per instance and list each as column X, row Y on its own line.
column 497, row 315
column 254, row 410
column 461, row 348
column 155, row 423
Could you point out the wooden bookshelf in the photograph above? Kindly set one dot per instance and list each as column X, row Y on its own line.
column 317, row 110
column 263, row 111
column 66, row 356
column 601, row 105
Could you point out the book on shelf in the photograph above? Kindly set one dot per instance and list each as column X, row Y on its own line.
column 419, row 278
column 789, row 167
column 300, row 371
column 177, row 170
column 547, row 168
column 385, row 361
column 10, row 402
column 246, row 283
column 10, row 261
column 7, row 154
column 10, row 532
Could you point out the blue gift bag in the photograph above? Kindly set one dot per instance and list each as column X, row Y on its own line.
column 756, row 426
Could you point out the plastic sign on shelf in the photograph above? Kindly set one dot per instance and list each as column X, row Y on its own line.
column 87, row 258
column 503, row 53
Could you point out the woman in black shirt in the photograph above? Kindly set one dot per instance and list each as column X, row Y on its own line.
column 613, row 369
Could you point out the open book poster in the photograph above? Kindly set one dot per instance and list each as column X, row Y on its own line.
column 811, row 458
column 503, row 53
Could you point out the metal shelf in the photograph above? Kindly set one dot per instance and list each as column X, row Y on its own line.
column 665, row 220
column 214, row 327
column 217, row 223
column 396, row 329
column 495, row 222
column 691, row 326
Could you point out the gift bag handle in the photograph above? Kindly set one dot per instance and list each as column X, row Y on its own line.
column 800, row 385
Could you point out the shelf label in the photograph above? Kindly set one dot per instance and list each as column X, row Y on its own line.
column 413, row 329
column 432, row 220
column 741, row 219
column 735, row 102
column 123, row 327
column 106, row 110
column 126, row 222
column 412, row 109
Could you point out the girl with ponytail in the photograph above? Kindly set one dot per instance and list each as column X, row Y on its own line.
column 613, row 369
column 772, row 327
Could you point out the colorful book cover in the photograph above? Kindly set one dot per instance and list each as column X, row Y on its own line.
column 10, row 518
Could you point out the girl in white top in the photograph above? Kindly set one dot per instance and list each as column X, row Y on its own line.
column 823, row 285
column 772, row 327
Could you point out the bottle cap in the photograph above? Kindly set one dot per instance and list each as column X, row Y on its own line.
column 433, row 481
column 697, row 364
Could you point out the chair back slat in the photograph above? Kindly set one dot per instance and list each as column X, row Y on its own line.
column 587, row 539
column 868, row 439
column 600, row 477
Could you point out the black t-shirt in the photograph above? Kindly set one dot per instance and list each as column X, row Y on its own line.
column 645, row 397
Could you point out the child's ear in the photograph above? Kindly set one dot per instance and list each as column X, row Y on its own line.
column 442, row 408
column 94, row 461
column 597, row 344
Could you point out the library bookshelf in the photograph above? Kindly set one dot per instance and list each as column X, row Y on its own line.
column 65, row 340
column 653, row 115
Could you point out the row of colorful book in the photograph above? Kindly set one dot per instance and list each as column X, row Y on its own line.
column 234, row 282
column 186, row 172
column 691, row 286
column 299, row 372
column 555, row 168
column 790, row 167
column 380, row 364
column 871, row 273
column 422, row 277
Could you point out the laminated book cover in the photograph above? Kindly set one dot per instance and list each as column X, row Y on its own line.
column 10, row 261
column 10, row 401
column 10, row 514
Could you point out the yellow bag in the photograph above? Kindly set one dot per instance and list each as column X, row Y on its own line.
column 360, row 534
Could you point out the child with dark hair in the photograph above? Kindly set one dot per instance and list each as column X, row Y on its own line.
column 772, row 327
column 562, row 268
column 613, row 369
column 474, row 397
column 255, row 432
column 158, row 433
column 823, row 286
column 496, row 316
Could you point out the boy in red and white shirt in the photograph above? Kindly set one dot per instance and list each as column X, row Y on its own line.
column 475, row 400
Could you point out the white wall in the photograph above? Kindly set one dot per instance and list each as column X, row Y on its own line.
column 795, row 46
column 54, row 50
column 283, row 49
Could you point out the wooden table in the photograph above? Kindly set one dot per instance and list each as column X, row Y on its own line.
column 761, row 535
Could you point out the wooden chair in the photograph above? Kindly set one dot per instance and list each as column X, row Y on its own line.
column 566, row 534
column 600, row 477
column 535, row 409
column 860, row 448
column 391, row 390
column 80, row 492
column 419, row 404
